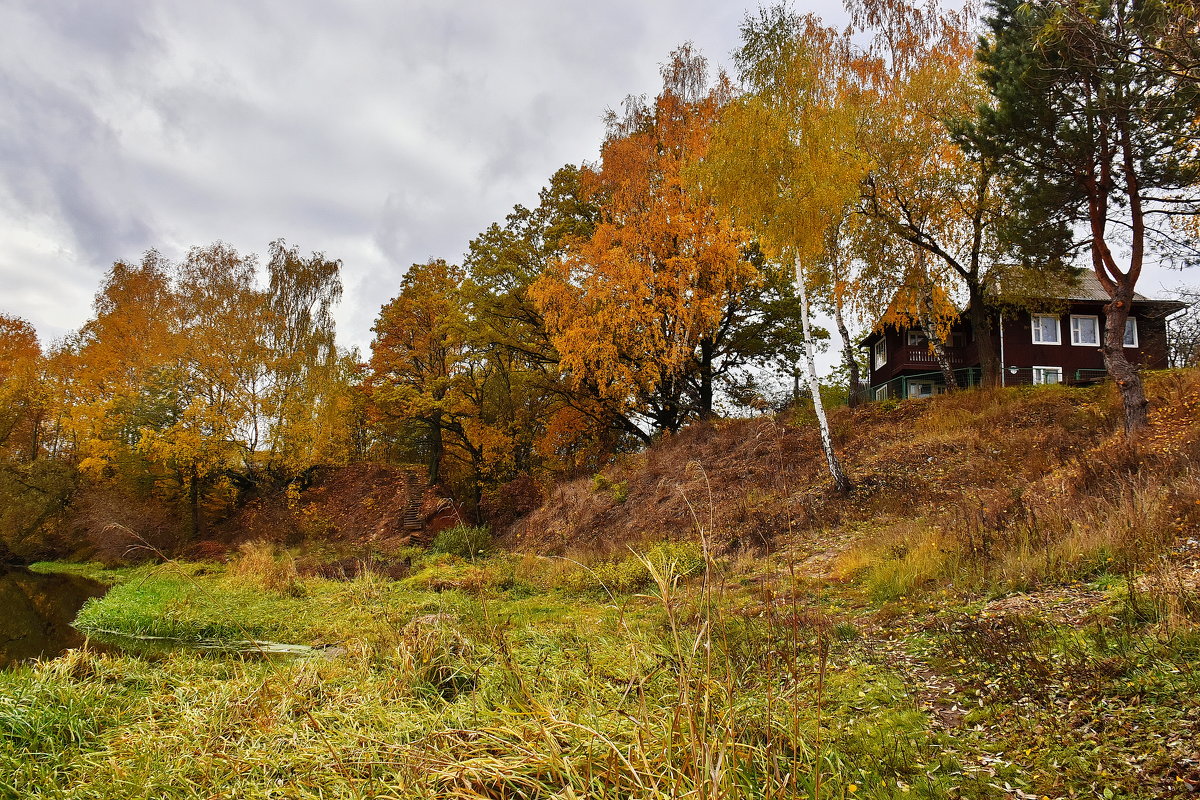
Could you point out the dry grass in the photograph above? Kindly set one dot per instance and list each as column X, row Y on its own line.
column 266, row 566
column 1101, row 507
column 979, row 491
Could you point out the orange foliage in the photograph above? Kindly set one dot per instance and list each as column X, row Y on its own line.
column 21, row 392
column 629, row 307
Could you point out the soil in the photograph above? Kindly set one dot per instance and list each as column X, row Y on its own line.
column 356, row 507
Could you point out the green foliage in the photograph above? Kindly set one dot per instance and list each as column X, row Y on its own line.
column 464, row 541
column 634, row 572
column 1088, row 113
column 618, row 489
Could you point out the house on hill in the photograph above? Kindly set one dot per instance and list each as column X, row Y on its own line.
column 1057, row 340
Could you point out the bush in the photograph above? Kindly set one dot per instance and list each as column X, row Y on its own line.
column 464, row 541
column 632, row 573
column 618, row 489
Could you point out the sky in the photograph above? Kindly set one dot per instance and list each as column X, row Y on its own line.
column 380, row 132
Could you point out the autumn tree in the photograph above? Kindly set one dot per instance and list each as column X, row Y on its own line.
column 120, row 370
column 307, row 386
column 418, row 347
column 550, row 425
column 1095, row 134
column 923, row 188
column 636, row 310
column 223, row 371
column 194, row 384
column 33, row 489
column 783, row 158
column 21, row 400
column 504, row 261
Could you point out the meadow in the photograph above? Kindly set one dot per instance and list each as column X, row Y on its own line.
column 1007, row 606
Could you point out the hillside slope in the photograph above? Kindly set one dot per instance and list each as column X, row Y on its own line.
column 986, row 476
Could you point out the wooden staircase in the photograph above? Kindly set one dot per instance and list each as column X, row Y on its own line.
column 415, row 489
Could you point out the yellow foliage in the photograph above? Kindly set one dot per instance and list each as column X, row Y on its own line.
column 628, row 307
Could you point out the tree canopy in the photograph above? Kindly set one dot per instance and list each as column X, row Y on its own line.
column 1096, row 128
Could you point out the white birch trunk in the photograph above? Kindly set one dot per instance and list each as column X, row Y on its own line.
column 840, row 481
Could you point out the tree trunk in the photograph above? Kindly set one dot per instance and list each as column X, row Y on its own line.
column 707, row 350
column 194, row 501
column 34, row 436
column 667, row 415
column 1126, row 375
column 848, row 355
column 840, row 481
column 936, row 343
column 436, row 448
column 985, row 342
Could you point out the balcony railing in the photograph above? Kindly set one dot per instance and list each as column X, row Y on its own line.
column 921, row 385
column 921, row 355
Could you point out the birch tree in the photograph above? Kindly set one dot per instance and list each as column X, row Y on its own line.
column 783, row 159
column 923, row 189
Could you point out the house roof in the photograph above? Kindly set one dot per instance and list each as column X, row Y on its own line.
column 1087, row 287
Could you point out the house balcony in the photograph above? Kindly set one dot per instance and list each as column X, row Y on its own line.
column 920, row 357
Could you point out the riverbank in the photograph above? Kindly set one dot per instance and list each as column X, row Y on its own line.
column 516, row 676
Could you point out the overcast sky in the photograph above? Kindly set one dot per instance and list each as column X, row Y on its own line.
column 381, row 132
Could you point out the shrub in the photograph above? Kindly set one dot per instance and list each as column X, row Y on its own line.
column 632, row 573
column 618, row 489
column 464, row 541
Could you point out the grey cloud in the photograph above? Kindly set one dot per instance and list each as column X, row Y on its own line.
column 80, row 179
column 383, row 132
column 108, row 30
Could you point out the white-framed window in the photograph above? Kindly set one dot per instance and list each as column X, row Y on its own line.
column 917, row 338
column 1085, row 330
column 881, row 393
column 880, row 353
column 1131, row 333
column 1045, row 329
column 1047, row 375
column 918, row 389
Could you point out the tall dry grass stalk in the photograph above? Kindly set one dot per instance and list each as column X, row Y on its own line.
column 265, row 565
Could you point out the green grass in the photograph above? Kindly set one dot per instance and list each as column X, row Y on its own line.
column 683, row 687
column 93, row 571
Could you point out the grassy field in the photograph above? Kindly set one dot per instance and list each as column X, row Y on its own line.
column 660, row 675
column 1006, row 606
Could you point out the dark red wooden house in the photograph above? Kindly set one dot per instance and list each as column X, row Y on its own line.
column 1056, row 341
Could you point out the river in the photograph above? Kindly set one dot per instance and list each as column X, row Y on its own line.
column 36, row 612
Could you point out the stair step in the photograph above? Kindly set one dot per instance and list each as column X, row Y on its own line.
column 414, row 501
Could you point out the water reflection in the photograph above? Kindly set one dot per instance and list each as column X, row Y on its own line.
column 36, row 612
